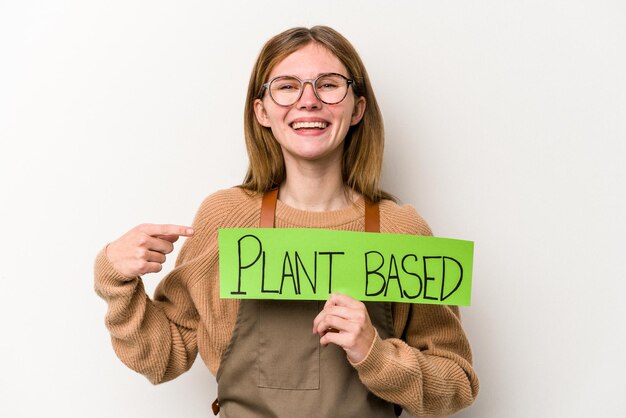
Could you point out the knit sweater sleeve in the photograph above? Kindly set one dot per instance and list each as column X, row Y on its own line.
column 157, row 337
column 427, row 368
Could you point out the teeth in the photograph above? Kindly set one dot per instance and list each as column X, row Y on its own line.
column 299, row 125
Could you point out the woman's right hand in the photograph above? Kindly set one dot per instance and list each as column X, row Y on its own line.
column 142, row 249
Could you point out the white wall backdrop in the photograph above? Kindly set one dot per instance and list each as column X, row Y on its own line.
column 505, row 125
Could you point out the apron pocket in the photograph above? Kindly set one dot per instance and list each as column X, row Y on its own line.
column 289, row 356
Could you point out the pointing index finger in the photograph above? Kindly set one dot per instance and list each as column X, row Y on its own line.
column 167, row 230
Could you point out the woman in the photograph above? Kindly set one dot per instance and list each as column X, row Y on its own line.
column 314, row 136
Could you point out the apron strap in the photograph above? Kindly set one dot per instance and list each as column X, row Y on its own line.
column 268, row 210
column 372, row 215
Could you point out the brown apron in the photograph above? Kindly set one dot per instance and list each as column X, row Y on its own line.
column 274, row 365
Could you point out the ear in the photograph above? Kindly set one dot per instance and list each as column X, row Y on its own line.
column 261, row 114
column 359, row 110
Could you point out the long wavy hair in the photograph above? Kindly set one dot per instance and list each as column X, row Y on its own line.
column 364, row 142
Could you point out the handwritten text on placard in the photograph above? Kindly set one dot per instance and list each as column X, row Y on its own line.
column 310, row 264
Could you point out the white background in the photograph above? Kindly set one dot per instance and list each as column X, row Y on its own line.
column 505, row 125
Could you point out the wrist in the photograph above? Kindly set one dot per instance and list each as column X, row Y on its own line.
column 356, row 361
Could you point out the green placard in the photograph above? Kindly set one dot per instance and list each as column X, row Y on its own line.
column 310, row 264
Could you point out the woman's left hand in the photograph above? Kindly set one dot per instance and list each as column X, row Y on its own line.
column 344, row 321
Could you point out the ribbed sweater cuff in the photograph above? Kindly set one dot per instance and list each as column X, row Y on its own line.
column 374, row 354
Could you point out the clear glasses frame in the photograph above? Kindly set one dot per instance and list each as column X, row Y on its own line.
column 312, row 82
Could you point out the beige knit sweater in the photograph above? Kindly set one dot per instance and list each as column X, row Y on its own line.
column 427, row 369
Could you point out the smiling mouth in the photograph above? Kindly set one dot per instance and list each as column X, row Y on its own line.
column 309, row 125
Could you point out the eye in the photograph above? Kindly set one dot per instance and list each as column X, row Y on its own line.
column 285, row 85
column 329, row 83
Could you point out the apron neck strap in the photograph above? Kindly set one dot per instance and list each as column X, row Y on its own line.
column 372, row 215
column 268, row 210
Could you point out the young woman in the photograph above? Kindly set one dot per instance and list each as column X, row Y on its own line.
column 314, row 136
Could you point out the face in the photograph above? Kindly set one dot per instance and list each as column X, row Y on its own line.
column 320, row 141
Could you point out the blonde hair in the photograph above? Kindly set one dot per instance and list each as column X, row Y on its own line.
column 364, row 142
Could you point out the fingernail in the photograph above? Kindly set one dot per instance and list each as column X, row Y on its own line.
column 189, row 231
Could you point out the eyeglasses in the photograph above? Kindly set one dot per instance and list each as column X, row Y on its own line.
column 329, row 88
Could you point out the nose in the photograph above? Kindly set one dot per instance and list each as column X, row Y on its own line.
column 308, row 99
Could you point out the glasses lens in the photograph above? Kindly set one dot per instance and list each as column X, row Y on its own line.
column 285, row 90
column 331, row 88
